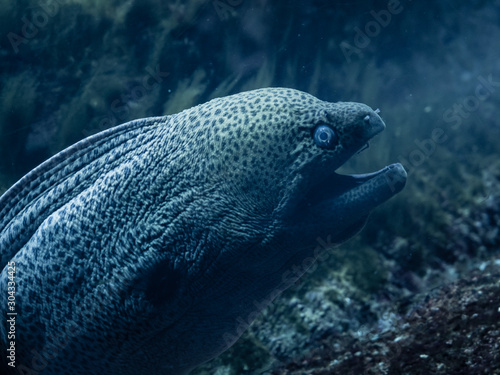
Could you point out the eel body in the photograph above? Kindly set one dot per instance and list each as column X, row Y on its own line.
column 140, row 250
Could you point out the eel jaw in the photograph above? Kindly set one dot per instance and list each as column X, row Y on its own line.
column 340, row 204
column 364, row 192
column 359, row 192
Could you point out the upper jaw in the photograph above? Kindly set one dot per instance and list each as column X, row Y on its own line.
column 363, row 192
column 357, row 134
column 359, row 192
column 373, row 124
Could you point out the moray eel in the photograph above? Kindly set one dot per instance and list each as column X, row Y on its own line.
column 141, row 249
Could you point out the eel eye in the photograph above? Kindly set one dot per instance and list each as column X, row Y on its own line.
column 325, row 137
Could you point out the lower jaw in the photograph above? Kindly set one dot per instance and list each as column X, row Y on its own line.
column 371, row 190
column 342, row 203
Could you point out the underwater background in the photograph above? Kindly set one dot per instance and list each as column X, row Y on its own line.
column 418, row 290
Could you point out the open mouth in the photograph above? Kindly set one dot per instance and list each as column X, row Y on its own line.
column 387, row 181
column 359, row 193
column 339, row 205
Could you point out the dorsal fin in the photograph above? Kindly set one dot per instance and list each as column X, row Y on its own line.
column 56, row 181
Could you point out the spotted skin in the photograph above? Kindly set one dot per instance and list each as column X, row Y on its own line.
column 139, row 250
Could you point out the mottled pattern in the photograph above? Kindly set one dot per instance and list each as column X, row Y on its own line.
column 140, row 249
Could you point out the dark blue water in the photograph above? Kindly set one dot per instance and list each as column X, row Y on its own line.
column 70, row 69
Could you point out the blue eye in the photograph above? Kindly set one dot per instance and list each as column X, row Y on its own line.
column 325, row 137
